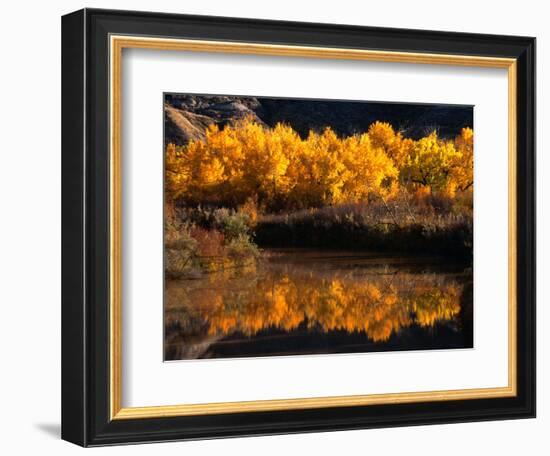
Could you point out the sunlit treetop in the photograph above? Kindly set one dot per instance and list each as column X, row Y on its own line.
column 282, row 171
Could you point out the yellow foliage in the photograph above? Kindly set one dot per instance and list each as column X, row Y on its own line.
column 464, row 169
column 379, row 305
column 280, row 170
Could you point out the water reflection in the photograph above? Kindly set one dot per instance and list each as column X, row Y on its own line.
column 299, row 302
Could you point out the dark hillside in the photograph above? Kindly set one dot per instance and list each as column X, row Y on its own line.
column 186, row 116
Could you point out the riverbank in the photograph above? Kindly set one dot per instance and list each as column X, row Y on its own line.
column 357, row 227
column 202, row 240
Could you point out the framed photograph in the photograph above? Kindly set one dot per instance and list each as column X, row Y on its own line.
column 278, row 227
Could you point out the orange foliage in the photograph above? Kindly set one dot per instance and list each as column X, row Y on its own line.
column 278, row 170
column 378, row 304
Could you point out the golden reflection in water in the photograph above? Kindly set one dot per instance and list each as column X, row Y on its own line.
column 284, row 296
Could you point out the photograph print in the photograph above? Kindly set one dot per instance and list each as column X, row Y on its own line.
column 308, row 226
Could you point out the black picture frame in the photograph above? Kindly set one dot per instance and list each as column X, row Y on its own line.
column 85, row 225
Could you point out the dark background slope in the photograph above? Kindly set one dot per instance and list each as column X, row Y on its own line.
column 186, row 116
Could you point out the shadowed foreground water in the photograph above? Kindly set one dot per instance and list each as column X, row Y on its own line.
column 297, row 301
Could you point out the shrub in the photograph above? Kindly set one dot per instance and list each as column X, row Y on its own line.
column 232, row 224
column 180, row 249
column 242, row 248
column 223, row 241
column 210, row 243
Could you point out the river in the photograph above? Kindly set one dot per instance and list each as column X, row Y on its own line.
column 304, row 301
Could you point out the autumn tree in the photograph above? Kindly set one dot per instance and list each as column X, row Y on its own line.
column 394, row 145
column 463, row 172
column 431, row 164
column 282, row 171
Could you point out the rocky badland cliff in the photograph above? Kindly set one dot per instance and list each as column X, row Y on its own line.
column 187, row 116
